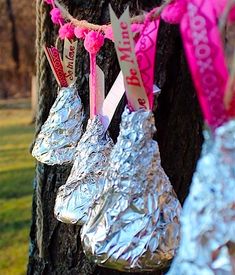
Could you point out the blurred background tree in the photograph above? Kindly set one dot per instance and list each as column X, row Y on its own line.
column 17, row 52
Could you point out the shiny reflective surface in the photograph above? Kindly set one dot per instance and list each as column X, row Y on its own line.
column 208, row 220
column 56, row 143
column 83, row 185
column 134, row 224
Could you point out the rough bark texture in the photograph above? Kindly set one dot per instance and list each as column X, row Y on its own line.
column 178, row 120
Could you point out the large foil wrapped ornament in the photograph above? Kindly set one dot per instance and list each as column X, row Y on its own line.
column 208, row 218
column 56, row 143
column 134, row 224
column 83, row 185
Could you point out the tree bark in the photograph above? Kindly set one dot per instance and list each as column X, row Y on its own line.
column 178, row 121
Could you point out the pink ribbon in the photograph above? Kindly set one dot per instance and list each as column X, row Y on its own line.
column 206, row 60
column 93, row 42
column 145, row 52
column 93, row 85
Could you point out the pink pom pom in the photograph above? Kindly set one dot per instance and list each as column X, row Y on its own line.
column 49, row 2
column 93, row 42
column 56, row 16
column 174, row 12
column 80, row 32
column 108, row 33
column 66, row 31
column 231, row 16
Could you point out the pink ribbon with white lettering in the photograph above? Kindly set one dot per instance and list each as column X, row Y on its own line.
column 145, row 50
column 204, row 50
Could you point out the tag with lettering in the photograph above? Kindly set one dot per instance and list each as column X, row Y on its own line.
column 112, row 100
column 69, row 59
column 206, row 60
column 145, row 52
column 114, row 97
column 97, row 98
column 56, row 64
column 124, row 45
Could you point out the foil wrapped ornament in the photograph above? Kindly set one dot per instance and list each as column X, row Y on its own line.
column 208, row 218
column 56, row 143
column 134, row 224
column 83, row 185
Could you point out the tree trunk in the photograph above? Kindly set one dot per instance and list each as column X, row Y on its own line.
column 178, row 120
column 14, row 41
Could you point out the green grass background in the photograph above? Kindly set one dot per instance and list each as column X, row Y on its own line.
column 16, row 176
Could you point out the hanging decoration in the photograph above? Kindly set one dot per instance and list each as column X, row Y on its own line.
column 134, row 224
column 121, row 192
column 85, row 183
column 56, row 143
column 208, row 228
column 70, row 26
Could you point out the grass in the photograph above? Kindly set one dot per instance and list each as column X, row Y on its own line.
column 16, row 175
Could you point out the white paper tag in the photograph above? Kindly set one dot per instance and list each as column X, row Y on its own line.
column 124, row 45
column 69, row 59
column 112, row 100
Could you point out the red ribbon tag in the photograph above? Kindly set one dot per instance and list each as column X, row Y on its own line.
column 56, row 64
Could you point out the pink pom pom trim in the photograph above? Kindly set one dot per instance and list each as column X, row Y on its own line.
column 80, row 32
column 56, row 16
column 174, row 12
column 93, row 42
column 66, row 31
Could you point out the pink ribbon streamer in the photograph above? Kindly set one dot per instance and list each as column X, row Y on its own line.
column 93, row 85
column 92, row 43
column 206, row 60
column 145, row 52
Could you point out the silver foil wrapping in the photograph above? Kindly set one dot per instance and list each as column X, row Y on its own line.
column 134, row 224
column 208, row 218
column 83, row 185
column 56, row 143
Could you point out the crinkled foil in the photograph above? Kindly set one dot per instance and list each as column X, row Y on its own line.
column 208, row 218
column 134, row 224
column 83, row 185
column 56, row 143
